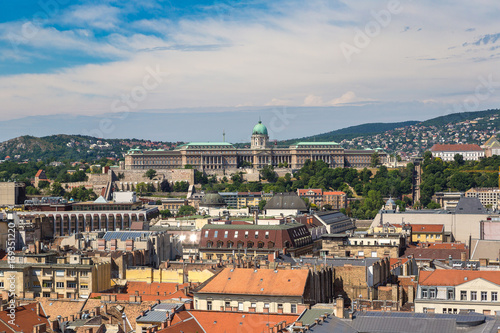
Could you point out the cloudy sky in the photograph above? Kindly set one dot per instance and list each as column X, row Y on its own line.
column 342, row 62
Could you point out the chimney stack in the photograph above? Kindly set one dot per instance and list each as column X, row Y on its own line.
column 38, row 309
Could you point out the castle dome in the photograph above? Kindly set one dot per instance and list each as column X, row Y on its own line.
column 259, row 129
column 212, row 199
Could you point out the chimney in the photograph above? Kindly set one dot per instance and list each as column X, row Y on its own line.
column 54, row 325
column 38, row 309
column 97, row 311
column 463, row 256
column 339, row 307
column 72, row 317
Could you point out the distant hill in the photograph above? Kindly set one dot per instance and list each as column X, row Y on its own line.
column 71, row 147
column 351, row 132
column 409, row 137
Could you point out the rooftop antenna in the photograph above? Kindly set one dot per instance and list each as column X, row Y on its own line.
column 223, row 135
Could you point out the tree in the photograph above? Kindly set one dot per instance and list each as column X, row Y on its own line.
column 459, row 159
column 30, row 190
column 56, row 189
column 165, row 213
column 267, row 172
column 186, row 210
column 43, row 184
column 326, row 207
column 433, row 205
column 151, row 173
column 262, row 204
column 375, row 159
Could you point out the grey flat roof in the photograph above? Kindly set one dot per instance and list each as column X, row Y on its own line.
column 124, row 235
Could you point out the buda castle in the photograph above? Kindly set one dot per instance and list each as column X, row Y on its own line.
column 206, row 156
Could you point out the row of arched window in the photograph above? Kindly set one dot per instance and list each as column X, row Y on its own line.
column 240, row 244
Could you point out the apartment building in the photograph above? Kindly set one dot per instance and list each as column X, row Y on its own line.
column 456, row 291
column 447, row 152
column 255, row 290
column 428, row 233
column 336, row 199
column 48, row 275
column 489, row 196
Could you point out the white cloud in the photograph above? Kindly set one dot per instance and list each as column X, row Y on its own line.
column 292, row 58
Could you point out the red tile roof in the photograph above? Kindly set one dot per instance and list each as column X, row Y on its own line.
column 154, row 288
column 39, row 173
column 258, row 282
column 430, row 228
column 25, row 319
column 456, row 147
column 217, row 322
column 446, row 277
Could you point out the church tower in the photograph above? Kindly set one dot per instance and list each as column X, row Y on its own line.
column 259, row 136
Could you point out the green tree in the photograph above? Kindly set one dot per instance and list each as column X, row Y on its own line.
column 57, row 190
column 459, row 159
column 262, row 204
column 165, row 213
column 43, row 184
column 268, row 173
column 186, row 210
column 375, row 159
column 151, row 173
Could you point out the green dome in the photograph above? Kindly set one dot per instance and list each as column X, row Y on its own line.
column 259, row 129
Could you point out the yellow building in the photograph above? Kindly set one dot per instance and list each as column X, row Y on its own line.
column 150, row 275
column 427, row 233
column 67, row 277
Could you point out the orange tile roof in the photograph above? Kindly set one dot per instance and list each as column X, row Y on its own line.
column 25, row 319
column 334, row 193
column 303, row 191
column 446, row 277
column 427, row 228
column 39, row 173
column 217, row 322
column 145, row 288
column 394, row 261
column 54, row 308
column 258, row 282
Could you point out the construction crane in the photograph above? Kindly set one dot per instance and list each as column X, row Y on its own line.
column 488, row 171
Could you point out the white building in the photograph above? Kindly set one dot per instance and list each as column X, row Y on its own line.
column 470, row 152
column 124, row 197
column 455, row 291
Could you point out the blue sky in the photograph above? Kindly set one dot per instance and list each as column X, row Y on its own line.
column 401, row 59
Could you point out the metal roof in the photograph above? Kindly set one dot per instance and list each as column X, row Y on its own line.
column 124, row 235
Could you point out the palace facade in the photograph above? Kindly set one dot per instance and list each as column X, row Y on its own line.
column 206, row 156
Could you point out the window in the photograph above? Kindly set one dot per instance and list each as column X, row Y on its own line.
column 227, row 304
column 266, row 305
column 206, row 233
column 71, row 284
column 494, row 296
column 432, row 293
column 450, row 294
column 256, row 234
column 246, row 234
column 250, row 244
column 209, row 305
column 84, row 286
column 85, row 273
column 424, row 293
column 47, row 284
column 361, row 253
column 36, row 272
column 374, row 254
column 216, row 233
column 59, row 284
column 46, row 294
column 267, row 234
column 294, row 308
column 1, row 284
column 1, row 273
column 463, row 295
column 236, row 234
column 72, row 273
column 484, row 296
column 240, row 306
column 253, row 305
column 59, row 272
column 280, row 306
column 473, row 295
column 226, row 233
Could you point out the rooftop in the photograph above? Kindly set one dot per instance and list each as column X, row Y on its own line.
column 257, row 282
column 442, row 277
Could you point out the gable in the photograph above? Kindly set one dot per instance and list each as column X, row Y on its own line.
column 478, row 284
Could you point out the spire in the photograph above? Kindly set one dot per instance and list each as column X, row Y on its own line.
column 223, row 135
